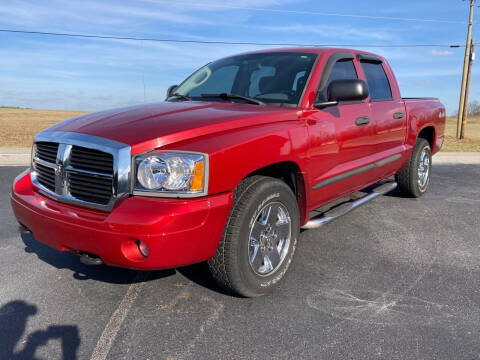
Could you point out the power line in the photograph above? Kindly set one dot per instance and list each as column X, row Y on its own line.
column 112, row 37
column 318, row 13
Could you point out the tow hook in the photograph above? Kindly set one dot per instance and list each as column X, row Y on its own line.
column 90, row 260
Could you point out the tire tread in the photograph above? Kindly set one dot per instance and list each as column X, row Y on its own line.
column 219, row 264
column 406, row 178
column 223, row 265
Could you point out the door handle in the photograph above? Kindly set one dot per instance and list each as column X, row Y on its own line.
column 362, row 121
column 398, row 115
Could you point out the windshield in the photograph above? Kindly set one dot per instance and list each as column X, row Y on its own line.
column 272, row 78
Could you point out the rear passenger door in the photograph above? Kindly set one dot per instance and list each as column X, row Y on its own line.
column 387, row 108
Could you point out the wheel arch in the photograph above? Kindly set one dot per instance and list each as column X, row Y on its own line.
column 428, row 133
column 290, row 173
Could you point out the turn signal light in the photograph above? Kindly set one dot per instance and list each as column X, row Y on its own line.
column 198, row 176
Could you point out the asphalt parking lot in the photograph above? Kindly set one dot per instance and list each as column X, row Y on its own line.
column 395, row 279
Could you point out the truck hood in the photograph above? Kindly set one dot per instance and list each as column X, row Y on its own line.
column 151, row 126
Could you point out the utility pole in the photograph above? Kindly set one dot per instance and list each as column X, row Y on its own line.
column 467, row 89
column 461, row 106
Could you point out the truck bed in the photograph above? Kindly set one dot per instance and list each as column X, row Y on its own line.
column 425, row 112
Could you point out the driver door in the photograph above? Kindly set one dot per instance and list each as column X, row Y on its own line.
column 340, row 164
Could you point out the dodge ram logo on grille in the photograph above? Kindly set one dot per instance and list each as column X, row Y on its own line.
column 59, row 170
column 80, row 169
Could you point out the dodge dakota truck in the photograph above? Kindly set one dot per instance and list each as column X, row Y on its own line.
column 230, row 166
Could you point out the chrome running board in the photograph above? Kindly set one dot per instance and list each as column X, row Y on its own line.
column 346, row 207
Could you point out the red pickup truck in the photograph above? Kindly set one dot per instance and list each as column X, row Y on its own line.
column 228, row 168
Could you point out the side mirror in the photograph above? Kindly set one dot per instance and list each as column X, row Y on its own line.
column 171, row 90
column 344, row 90
column 347, row 90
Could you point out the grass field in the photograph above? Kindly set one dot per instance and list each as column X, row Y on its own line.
column 18, row 126
column 472, row 140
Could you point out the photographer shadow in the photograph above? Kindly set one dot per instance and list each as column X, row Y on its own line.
column 14, row 316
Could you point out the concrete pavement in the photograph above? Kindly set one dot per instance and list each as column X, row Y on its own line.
column 21, row 157
column 395, row 279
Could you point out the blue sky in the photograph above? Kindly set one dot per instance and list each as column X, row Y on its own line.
column 48, row 72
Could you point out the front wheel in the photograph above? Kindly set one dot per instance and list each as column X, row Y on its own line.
column 413, row 179
column 260, row 237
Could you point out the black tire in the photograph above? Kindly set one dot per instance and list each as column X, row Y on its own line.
column 408, row 178
column 231, row 265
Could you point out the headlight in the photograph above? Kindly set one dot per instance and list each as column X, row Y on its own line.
column 171, row 174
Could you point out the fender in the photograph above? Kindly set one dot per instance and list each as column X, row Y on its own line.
column 428, row 113
column 238, row 153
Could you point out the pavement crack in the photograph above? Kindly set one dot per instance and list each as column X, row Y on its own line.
column 110, row 331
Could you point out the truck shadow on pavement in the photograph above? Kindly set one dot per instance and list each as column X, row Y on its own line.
column 13, row 320
column 67, row 260
column 197, row 273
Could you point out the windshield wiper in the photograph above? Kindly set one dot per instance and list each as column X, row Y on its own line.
column 180, row 96
column 226, row 96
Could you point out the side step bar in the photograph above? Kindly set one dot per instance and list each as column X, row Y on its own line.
column 344, row 208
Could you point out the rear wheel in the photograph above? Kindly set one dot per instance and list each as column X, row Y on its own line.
column 260, row 237
column 413, row 179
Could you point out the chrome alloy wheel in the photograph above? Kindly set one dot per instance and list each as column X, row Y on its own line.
column 423, row 169
column 270, row 235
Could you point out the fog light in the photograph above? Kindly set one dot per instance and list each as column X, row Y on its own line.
column 143, row 248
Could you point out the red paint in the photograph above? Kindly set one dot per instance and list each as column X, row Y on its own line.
column 178, row 232
column 240, row 139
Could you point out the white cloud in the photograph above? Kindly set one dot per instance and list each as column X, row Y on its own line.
column 331, row 32
column 54, row 71
column 87, row 14
column 429, row 73
column 425, row 83
column 435, row 52
column 221, row 5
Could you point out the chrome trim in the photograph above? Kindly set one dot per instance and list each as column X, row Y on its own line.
column 71, row 169
column 269, row 240
column 63, row 161
column 346, row 207
column 172, row 194
column 423, row 169
column 121, row 166
column 44, row 163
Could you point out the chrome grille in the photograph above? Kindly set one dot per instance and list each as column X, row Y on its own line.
column 91, row 160
column 45, row 176
column 47, row 151
column 81, row 169
column 90, row 175
column 90, row 188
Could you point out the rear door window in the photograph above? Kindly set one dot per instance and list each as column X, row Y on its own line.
column 378, row 84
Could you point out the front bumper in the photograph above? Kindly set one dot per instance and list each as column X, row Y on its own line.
column 177, row 231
